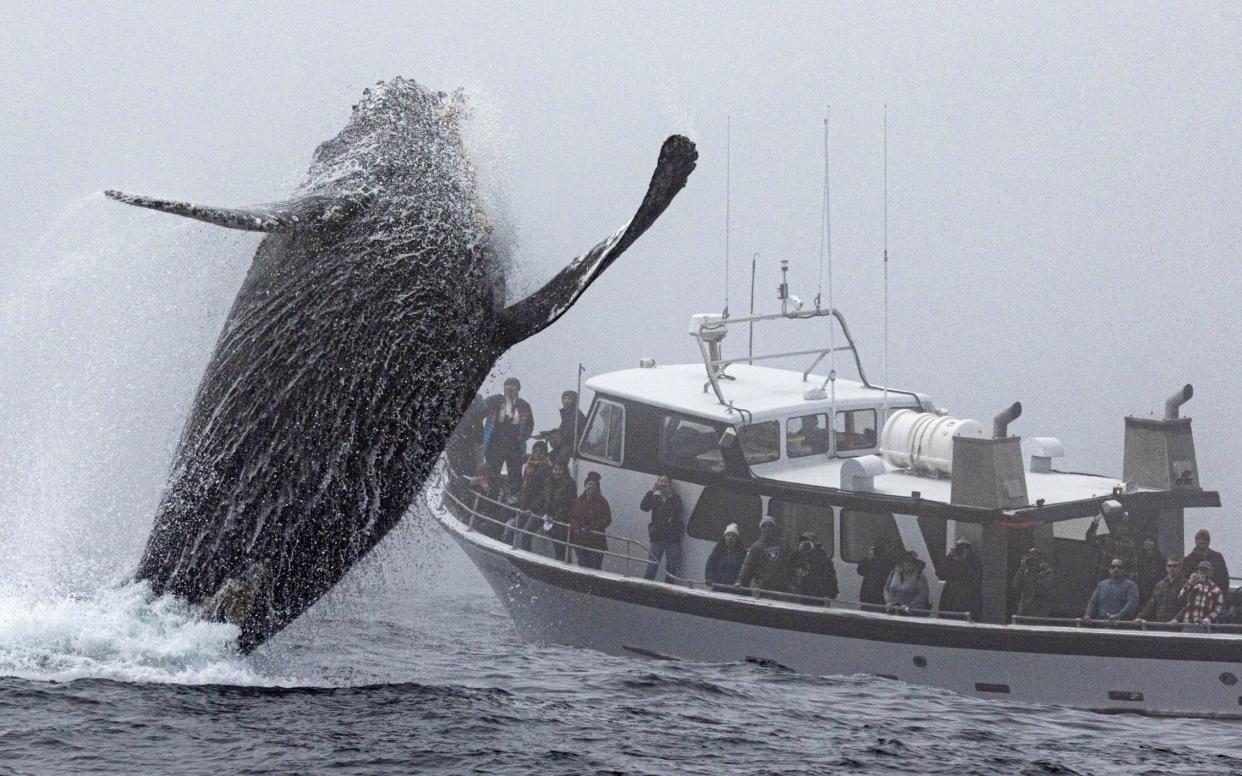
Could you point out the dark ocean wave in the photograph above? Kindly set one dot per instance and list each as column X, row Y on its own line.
column 439, row 684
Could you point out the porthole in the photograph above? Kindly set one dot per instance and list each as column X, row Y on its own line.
column 920, row 661
column 1228, row 679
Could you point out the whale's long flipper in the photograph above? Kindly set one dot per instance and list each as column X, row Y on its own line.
column 540, row 309
column 316, row 210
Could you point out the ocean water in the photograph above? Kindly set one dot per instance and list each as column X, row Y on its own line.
column 414, row 667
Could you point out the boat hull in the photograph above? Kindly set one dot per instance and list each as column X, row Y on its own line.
column 1151, row 673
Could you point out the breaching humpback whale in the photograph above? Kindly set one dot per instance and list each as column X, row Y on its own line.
column 371, row 314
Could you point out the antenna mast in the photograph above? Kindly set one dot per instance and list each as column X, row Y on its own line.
column 885, row 413
column 750, row 350
column 728, row 181
column 826, row 243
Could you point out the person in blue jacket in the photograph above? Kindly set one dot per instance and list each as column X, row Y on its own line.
column 1115, row 598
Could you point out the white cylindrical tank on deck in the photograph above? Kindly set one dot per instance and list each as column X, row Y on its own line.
column 923, row 441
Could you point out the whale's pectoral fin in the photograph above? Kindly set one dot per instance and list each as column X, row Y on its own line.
column 317, row 210
column 540, row 309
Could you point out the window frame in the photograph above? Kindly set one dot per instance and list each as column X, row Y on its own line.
column 856, row 451
column 595, row 410
column 847, row 516
column 755, row 425
column 791, row 418
column 664, row 462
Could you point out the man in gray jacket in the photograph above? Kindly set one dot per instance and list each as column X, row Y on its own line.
column 1115, row 598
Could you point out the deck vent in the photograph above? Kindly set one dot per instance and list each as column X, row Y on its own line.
column 1002, row 689
column 1125, row 695
column 1043, row 450
column 1160, row 454
column 858, row 474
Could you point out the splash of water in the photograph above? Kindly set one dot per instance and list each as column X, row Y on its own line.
column 108, row 318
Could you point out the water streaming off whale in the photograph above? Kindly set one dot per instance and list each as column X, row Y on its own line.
column 373, row 310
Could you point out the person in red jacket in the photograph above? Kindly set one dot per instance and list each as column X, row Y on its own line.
column 590, row 517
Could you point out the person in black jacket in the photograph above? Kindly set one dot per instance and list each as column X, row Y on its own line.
column 511, row 426
column 814, row 575
column 963, row 581
column 573, row 423
column 726, row 559
column 874, row 570
column 666, row 528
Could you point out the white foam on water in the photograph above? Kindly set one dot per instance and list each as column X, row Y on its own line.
column 122, row 633
column 109, row 318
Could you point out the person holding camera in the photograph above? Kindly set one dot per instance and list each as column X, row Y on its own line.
column 666, row 528
column 1201, row 598
column 1034, row 583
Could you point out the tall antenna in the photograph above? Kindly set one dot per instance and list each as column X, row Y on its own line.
column 750, row 349
column 885, row 262
column 827, row 243
column 728, row 181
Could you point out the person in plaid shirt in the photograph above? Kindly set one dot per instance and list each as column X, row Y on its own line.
column 1201, row 598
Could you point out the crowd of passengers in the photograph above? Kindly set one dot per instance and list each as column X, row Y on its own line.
column 1136, row 581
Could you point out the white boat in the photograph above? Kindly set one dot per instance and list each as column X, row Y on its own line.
column 742, row 440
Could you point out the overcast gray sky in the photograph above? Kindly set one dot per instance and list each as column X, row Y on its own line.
column 1064, row 209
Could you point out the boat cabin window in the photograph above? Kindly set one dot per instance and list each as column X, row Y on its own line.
column 604, row 438
column 806, row 435
column 855, row 430
column 860, row 531
column 796, row 519
column 717, row 508
column 761, row 442
column 690, row 444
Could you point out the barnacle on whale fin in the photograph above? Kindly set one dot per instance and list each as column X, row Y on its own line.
column 234, row 602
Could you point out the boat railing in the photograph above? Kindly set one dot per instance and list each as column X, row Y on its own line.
column 514, row 512
column 1127, row 625
column 643, row 559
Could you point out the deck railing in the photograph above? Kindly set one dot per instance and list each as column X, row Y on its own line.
column 472, row 509
column 453, row 483
column 1128, row 625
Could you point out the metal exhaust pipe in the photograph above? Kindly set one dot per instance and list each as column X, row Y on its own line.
column 1177, row 400
column 1000, row 424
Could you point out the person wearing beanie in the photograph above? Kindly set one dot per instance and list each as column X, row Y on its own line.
column 1204, row 552
column 1201, row 597
column 588, row 520
column 767, row 561
column 813, row 573
column 725, row 562
column 963, row 581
